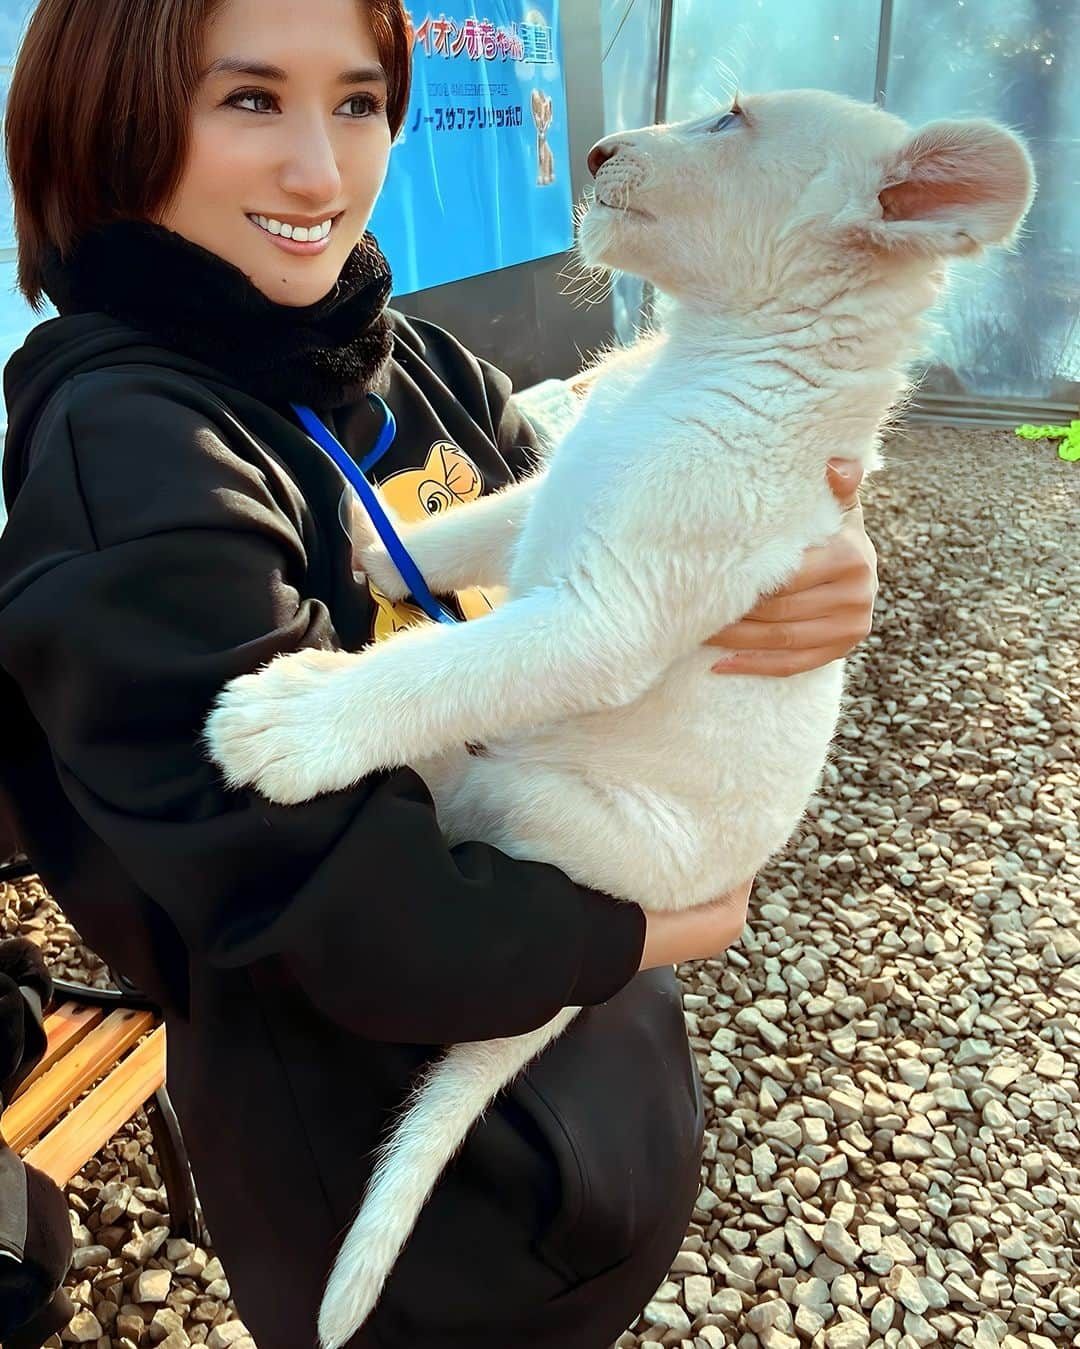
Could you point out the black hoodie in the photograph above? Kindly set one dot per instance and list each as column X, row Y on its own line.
column 168, row 531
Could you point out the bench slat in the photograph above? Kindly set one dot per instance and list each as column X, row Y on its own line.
column 29, row 1116
column 86, row 1130
column 65, row 1027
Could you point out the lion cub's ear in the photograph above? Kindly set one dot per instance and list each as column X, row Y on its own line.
column 954, row 188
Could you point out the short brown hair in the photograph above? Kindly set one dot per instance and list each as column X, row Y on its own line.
column 91, row 128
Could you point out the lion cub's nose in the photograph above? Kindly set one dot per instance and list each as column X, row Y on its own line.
column 599, row 155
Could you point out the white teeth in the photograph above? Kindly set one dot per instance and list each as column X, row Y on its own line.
column 301, row 234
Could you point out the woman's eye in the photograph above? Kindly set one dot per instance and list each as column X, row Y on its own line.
column 368, row 103
column 237, row 99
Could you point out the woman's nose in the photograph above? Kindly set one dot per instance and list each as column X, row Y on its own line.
column 599, row 155
column 313, row 169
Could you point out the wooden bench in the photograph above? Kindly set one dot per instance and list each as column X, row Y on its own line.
column 107, row 1048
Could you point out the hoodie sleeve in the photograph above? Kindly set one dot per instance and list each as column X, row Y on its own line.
column 187, row 568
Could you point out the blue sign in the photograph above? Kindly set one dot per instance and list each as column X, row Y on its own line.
column 480, row 177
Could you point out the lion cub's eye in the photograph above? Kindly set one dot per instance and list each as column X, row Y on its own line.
column 726, row 120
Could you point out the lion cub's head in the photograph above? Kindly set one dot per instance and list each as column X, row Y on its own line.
column 783, row 188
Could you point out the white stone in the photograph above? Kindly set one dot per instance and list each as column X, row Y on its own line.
column 87, row 1257
column 667, row 1314
column 995, row 1114
column 848, row 1335
column 762, row 1161
column 151, row 1285
column 689, row 1262
column 83, row 1328
column 225, row 1334
column 697, row 1290
column 883, row 1314
column 902, row 1284
column 1014, row 1247
column 772, row 1312
column 807, row 1181
column 808, row 1321
column 1050, row 1064
column 840, row 1244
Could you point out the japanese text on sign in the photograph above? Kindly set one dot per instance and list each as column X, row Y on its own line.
column 467, row 119
column 480, row 175
column 481, row 40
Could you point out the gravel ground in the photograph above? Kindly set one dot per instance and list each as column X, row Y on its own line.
column 891, row 1053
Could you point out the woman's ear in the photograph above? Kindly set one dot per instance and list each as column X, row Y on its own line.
column 953, row 189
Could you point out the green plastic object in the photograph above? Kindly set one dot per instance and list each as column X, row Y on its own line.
column 1069, row 449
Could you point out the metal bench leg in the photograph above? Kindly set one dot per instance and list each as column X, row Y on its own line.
column 175, row 1168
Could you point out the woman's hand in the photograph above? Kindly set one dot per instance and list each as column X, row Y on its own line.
column 699, row 933
column 827, row 607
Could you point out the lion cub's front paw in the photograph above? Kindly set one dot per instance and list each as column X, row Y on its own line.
column 279, row 730
column 374, row 561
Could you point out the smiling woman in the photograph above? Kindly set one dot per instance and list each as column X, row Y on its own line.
column 171, row 527
column 306, row 152
column 206, row 178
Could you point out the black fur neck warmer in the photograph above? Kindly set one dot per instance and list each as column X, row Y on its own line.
column 190, row 300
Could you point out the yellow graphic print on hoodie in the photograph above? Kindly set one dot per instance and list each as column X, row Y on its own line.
column 449, row 478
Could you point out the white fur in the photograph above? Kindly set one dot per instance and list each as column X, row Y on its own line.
column 797, row 250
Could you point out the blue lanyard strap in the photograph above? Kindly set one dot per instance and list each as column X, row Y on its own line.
column 329, row 443
column 383, row 440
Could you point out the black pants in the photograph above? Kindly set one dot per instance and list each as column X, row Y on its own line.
column 591, row 1316
column 474, row 1274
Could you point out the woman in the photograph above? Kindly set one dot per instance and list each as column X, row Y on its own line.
column 170, row 527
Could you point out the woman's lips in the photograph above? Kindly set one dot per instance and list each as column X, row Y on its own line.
column 294, row 246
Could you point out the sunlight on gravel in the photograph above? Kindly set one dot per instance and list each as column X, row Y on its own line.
column 890, row 1054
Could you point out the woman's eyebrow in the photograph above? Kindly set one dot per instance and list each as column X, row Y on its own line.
column 239, row 65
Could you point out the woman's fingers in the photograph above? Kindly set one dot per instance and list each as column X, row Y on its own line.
column 781, row 663
column 784, row 622
column 823, row 612
column 844, row 477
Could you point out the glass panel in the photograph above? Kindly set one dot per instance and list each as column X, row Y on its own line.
column 7, row 223
column 16, row 316
column 763, row 44
column 630, row 34
column 1011, row 323
column 14, row 15
column 770, row 44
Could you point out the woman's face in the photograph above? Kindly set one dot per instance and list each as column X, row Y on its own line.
column 299, row 145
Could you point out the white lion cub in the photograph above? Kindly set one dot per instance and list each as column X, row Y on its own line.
column 799, row 239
